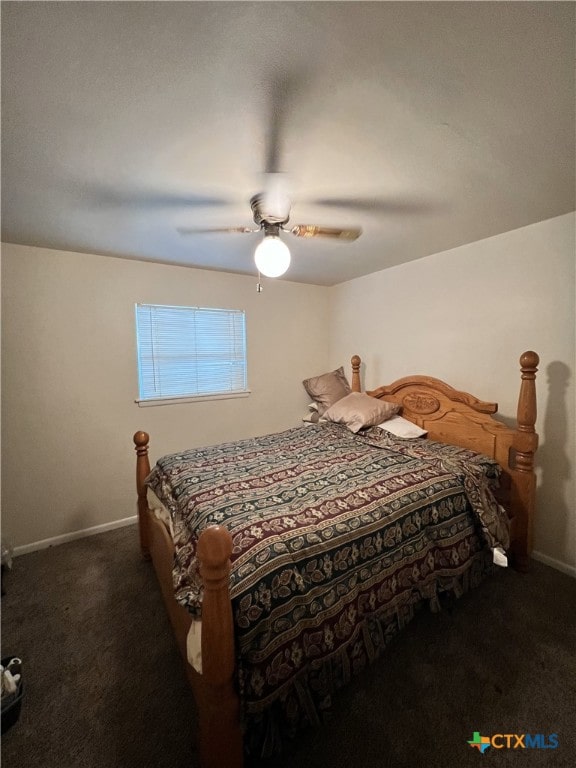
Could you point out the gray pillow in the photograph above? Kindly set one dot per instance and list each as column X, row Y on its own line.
column 358, row 410
column 327, row 389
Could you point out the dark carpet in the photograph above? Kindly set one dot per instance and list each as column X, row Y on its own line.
column 104, row 685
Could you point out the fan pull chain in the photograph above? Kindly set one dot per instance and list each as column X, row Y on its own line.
column 259, row 287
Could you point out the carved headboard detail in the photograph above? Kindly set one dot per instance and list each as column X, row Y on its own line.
column 448, row 414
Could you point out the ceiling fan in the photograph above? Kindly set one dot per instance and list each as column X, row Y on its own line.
column 271, row 214
column 271, row 207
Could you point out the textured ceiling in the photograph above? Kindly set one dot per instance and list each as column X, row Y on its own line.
column 429, row 125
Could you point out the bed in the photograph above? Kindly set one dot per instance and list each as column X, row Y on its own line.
column 296, row 557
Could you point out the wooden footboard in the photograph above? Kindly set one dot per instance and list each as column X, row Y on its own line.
column 450, row 416
column 220, row 736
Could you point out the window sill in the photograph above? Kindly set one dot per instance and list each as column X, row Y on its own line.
column 191, row 399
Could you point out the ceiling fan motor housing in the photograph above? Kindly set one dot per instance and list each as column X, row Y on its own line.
column 262, row 216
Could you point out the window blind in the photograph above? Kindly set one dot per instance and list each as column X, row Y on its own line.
column 190, row 351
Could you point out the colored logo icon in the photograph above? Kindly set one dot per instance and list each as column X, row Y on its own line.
column 481, row 743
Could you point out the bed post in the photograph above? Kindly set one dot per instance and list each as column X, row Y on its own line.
column 141, row 440
column 356, row 386
column 219, row 710
column 524, row 445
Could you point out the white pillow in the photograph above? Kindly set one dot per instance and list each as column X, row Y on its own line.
column 400, row 427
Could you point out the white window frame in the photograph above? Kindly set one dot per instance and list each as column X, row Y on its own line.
column 182, row 353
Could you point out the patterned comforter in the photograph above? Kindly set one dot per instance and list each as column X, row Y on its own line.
column 337, row 537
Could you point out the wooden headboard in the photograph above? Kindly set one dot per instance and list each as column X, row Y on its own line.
column 452, row 416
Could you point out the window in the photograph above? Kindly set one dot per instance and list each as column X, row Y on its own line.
column 190, row 352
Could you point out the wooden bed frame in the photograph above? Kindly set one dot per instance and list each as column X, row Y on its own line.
column 450, row 416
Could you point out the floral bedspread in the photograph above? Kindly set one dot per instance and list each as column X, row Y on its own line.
column 336, row 537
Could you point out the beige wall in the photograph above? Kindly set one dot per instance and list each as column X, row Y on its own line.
column 70, row 379
column 465, row 316
column 69, row 366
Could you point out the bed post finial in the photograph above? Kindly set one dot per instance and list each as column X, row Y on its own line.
column 141, row 440
column 527, row 400
column 356, row 387
column 524, row 449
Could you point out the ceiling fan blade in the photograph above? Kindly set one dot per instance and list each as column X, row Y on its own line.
column 205, row 231
column 281, row 91
column 146, row 199
column 310, row 230
column 376, row 205
column 277, row 114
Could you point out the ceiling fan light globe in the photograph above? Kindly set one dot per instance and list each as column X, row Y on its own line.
column 272, row 256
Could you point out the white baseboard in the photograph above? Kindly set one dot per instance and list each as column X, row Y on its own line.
column 55, row 540
column 570, row 570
